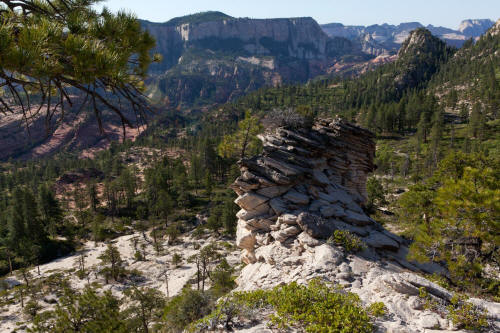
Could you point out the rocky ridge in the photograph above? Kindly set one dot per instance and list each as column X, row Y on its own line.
column 383, row 39
column 306, row 185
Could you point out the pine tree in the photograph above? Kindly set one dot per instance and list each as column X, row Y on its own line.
column 145, row 306
column 51, row 212
column 54, row 50
column 476, row 124
column 423, row 128
column 244, row 140
column 164, row 206
column 93, row 196
column 111, row 257
column 208, row 184
column 436, row 134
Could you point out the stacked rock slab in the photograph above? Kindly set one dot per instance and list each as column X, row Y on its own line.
column 307, row 183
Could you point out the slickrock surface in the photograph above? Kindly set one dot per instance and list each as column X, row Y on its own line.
column 306, row 185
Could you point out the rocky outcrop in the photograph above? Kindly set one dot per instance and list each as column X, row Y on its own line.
column 308, row 183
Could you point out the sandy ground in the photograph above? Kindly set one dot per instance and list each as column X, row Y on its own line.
column 152, row 269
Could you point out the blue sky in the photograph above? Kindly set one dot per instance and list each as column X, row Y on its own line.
column 447, row 13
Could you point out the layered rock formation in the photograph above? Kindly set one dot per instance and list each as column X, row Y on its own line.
column 212, row 57
column 306, row 185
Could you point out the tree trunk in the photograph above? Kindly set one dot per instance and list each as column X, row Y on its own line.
column 245, row 142
column 144, row 321
column 10, row 263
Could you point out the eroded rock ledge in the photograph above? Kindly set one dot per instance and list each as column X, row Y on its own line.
column 305, row 185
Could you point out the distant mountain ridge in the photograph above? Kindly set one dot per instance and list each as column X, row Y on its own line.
column 385, row 39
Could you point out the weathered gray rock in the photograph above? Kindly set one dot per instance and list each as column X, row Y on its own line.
column 320, row 178
column 305, row 239
column 290, row 219
column 360, row 231
column 317, row 204
column 381, row 241
column 327, row 257
column 245, row 238
column 493, row 309
column 332, row 211
column 357, row 218
column 278, row 205
column 259, row 224
column 283, row 234
column 430, row 320
column 260, row 211
column 273, row 191
column 296, row 197
column 250, row 200
column 316, row 226
column 306, row 185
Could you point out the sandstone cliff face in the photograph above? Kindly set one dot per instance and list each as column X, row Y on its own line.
column 217, row 60
column 306, row 185
column 302, row 37
column 295, row 37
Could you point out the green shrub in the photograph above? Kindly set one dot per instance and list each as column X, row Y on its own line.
column 377, row 309
column 186, row 308
column 222, row 278
column 349, row 241
column 466, row 315
column 32, row 308
column 318, row 308
column 315, row 308
column 429, row 302
column 176, row 259
column 138, row 256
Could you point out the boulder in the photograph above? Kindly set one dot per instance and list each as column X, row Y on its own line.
column 327, row 257
column 288, row 219
column 317, row 204
column 261, row 211
column 357, row 218
column 360, row 231
column 305, row 239
column 320, row 178
column 315, row 225
column 245, row 238
column 259, row 224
